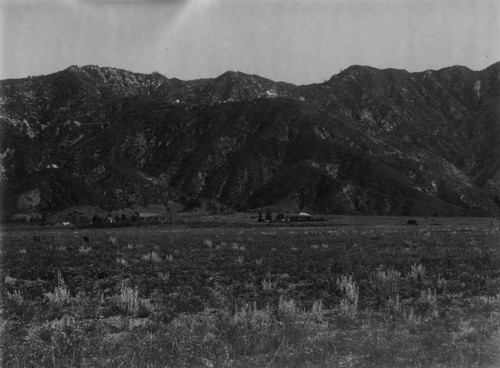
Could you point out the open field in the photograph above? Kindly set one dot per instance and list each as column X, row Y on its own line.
column 361, row 292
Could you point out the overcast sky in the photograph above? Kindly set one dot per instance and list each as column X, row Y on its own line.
column 299, row 41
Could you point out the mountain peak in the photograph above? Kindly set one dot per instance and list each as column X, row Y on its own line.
column 231, row 73
column 242, row 77
column 353, row 71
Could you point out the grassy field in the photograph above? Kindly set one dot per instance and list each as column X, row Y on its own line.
column 354, row 292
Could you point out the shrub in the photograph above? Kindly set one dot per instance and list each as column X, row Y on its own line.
column 385, row 283
column 394, row 304
column 350, row 296
column 122, row 261
column 152, row 257
column 15, row 297
column 61, row 294
column 128, row 299
column 252, row 330
column 427, row 302
column 317, row 310
column 9, row 280
column 417, row 272
column 163, row 276
column 84, row 250
column 441, row 282
column 267, row 285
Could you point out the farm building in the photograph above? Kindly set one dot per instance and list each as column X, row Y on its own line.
column 301, row 216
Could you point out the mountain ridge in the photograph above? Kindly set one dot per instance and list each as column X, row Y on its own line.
column 370, row 141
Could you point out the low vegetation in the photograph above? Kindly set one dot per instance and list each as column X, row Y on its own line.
column 343, row 296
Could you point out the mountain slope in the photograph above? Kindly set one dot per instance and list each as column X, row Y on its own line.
column 366, row 141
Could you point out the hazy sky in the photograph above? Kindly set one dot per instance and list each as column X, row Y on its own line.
column 299, row 41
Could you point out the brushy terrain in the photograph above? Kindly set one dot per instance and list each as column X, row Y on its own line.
column 338, row 296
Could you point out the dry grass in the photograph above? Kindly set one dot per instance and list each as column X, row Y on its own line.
column 375, row 296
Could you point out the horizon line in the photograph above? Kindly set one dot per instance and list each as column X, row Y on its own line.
column 247, row 73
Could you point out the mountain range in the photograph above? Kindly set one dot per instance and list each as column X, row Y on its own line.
column 366, row 141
